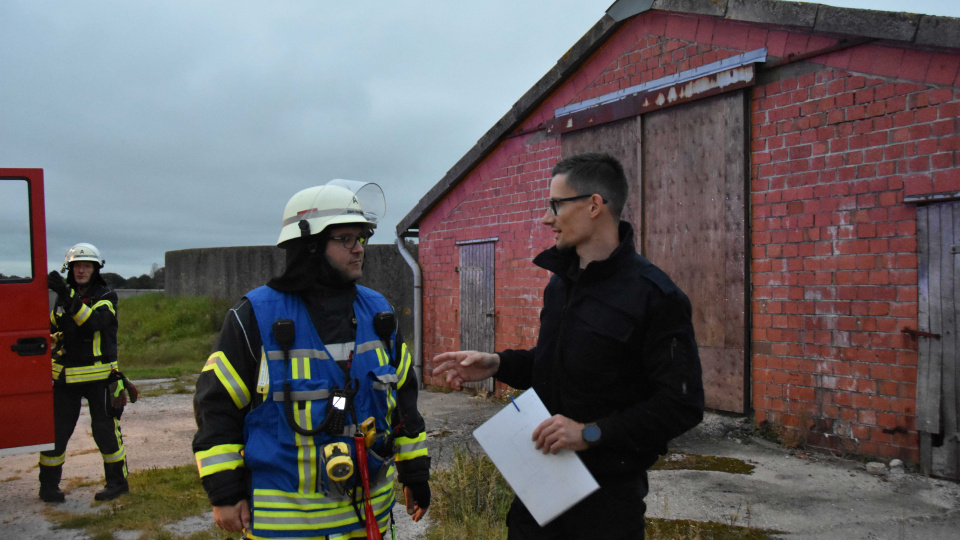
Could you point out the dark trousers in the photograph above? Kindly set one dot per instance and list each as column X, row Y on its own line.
column 612, row 512
column 104, row 423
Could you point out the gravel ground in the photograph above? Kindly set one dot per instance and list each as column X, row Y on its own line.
column 157, row 432
column 806, row 495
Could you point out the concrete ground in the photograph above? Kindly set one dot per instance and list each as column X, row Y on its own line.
column 805, row 495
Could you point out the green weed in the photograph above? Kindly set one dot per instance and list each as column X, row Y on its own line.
column 162, row 336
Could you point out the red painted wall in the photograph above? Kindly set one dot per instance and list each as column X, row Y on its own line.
column 833, row 250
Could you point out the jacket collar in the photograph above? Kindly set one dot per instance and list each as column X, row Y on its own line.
column 566, row 264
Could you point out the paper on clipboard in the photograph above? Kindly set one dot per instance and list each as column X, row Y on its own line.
column 547, row 484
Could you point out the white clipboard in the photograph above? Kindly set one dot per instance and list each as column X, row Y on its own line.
column 547, row 484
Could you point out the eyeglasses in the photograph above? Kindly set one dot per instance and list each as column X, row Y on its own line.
column 349, row 241
column 555, row 203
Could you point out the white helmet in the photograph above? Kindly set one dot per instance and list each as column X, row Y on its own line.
column 338, row 202
column 82, row 252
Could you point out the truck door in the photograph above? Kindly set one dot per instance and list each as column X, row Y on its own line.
column 26, row 389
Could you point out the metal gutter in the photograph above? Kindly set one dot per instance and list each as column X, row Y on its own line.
column 417, row 312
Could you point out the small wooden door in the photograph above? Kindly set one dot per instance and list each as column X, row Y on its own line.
column 938, row 376
column 477, row 316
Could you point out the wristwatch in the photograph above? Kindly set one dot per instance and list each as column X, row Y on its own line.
column 591, row 434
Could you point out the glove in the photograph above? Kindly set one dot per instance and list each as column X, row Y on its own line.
column 418, row 499
column 118, row 395
column 56, row 284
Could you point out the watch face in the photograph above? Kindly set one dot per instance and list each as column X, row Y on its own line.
column 591, row 433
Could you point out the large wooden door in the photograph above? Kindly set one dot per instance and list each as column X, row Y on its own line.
column 687, row 203
column 477, row 316
column 938, row 379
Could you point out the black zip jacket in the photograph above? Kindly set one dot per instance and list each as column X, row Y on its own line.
column 95, row 339
column 616, row 347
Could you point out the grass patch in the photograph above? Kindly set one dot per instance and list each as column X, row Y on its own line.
column 685, row 529
column 164, row 336
column 157, row 497
column 471, row 500
column 691, row 462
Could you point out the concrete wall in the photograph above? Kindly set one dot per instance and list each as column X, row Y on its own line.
column 231, row 272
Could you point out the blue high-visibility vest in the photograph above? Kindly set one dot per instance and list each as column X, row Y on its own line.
column 292, row 497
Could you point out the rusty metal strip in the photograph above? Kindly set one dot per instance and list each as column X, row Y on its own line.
column 660, row 98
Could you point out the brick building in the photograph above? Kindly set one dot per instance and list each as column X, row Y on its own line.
column 795, row 171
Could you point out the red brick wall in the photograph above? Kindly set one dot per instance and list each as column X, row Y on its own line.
column 834, row 254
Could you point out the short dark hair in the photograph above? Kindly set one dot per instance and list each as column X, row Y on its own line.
column 596, row 172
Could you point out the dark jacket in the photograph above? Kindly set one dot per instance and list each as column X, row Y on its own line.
column 616, row 347
column 88, row 326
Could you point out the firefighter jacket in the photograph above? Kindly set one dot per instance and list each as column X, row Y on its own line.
column 84, row 329
column 245, row 445
column 616, row 347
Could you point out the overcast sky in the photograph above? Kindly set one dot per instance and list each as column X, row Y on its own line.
column 168, row 125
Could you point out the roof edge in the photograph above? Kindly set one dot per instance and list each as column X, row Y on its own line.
column 536, row 95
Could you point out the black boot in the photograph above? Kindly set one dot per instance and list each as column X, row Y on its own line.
column 51, row 494
column 112, row 491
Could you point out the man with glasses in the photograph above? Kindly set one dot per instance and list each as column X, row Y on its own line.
column 309, row 385
column 616, row 361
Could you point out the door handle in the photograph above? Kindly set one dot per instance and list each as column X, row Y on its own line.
column 30, row 346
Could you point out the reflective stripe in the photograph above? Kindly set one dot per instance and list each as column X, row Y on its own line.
column 82, row 314
column 82, row 374
column 408, row 448
column 304, row 395
column 96, row 344
column 369, row 346
column 228, row 378
column 298, row 353
column 52, row 461
column 115, row 457
column 223, row 457
column 57, row 368
column 107, row 303
column 310, row 214
column 307, row 463
column 278, row 511
column 340, row 351
column 404, row 366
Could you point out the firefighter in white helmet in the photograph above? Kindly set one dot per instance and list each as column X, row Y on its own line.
column 301, row 365
column 84, row 329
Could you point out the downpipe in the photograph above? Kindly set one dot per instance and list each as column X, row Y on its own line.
column 417, row 311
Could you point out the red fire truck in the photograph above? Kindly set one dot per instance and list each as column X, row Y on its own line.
column 26, row 387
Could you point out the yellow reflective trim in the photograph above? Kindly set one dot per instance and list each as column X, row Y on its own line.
column 222, row 457
column 229, row 378
column 52, row 461
column 404, row 366
column 82, row 314
column 96, row 344
column 94, row 372
column 107, row 303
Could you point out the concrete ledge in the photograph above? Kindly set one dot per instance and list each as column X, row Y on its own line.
column 939, row 31
column 777, row 12
column 867, row 22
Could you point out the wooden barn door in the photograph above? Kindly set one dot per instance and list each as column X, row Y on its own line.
column 688, row 204
column 938, row 376
column 476, row 301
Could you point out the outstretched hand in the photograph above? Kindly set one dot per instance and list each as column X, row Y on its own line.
column 465, row 366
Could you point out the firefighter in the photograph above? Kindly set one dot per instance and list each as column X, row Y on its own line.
column 301, row 366
column 83, row 324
